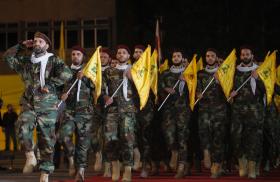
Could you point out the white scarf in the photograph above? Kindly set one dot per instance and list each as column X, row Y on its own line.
column 103, row 68
column 74, row 67
column 43, row 60
column 180, row 69
column 177, row 69
column 124, row 68
column 211, row 70
column 246, row 69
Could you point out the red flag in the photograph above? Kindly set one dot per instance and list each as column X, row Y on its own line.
column 158, row 48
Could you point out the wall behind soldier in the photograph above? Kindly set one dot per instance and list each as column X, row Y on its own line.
column 34, row 10
column 17, row 11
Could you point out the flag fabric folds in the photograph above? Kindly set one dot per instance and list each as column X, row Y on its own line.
column 267, row 73
column 190, row 76
column 93, row 71
column 199, row 64
column 154, row 74
column 141, row 75
column 225, row 73
column 164, row 66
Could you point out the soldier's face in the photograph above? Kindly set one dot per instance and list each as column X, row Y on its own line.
column 246, row 56
column 105, row 58
column 122, row 55
column 137, row 53
column 77, row 57
column 177, row 58
column 39, row 45
column 114, row 63
column 211, row 58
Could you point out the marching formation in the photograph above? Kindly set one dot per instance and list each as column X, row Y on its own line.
column 135, row 114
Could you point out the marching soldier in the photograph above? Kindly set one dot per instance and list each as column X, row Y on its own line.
column 77, row 115
column 176, row 114
column 42, row 73
column 247, row 114
column 120, row 119
column 211, row 114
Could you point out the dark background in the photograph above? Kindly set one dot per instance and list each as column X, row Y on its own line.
column 196, row 25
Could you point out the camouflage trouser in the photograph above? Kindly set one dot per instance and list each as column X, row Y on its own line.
column 247, row 133
column 45, row 126
column 212, row 132
column 175, row 125
column 96, row 133
column 119, row 137
column 194, row 149
column 80, row 123
column 271, row 134
column 144, row 132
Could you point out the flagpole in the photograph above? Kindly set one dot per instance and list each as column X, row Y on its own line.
column 68, row 91
column 241, row 86
column 116, row 91
column 173, row 88
column 168, row 95
column 205, row 89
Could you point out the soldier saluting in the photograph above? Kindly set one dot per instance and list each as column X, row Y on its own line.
column 41, row 72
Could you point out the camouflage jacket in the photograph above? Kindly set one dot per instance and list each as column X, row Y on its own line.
column 112, row 78
column 57, row 73
column 169, row 79
column 86, row 93
column 213, row 98
column 245, row 97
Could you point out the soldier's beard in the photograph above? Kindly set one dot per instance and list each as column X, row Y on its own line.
column 104, row 64
column 177, row 64
column 246, row 61
column 77, row 62
column 122, row 61
column 211, row 64
column 39, row 51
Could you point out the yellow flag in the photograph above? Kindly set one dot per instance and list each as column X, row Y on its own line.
column 200, row 64
column 277, row 102
column 154, row 73
column 141, row 75
column 226, row 72
column 267, row 72
column 164, row 66
column 278, row 75
column 277, row 97
column 93, row 71
column 61, row 51
column 190, row 75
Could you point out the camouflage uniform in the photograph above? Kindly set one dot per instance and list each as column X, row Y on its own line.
column 211, row 116
column 144, row 130
column 271, row 131
column 78, row 119
column 38, row 109
column 175, row 115
column 98, row 119
column 247, row 118
column 97, row 129
column 119, row 126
